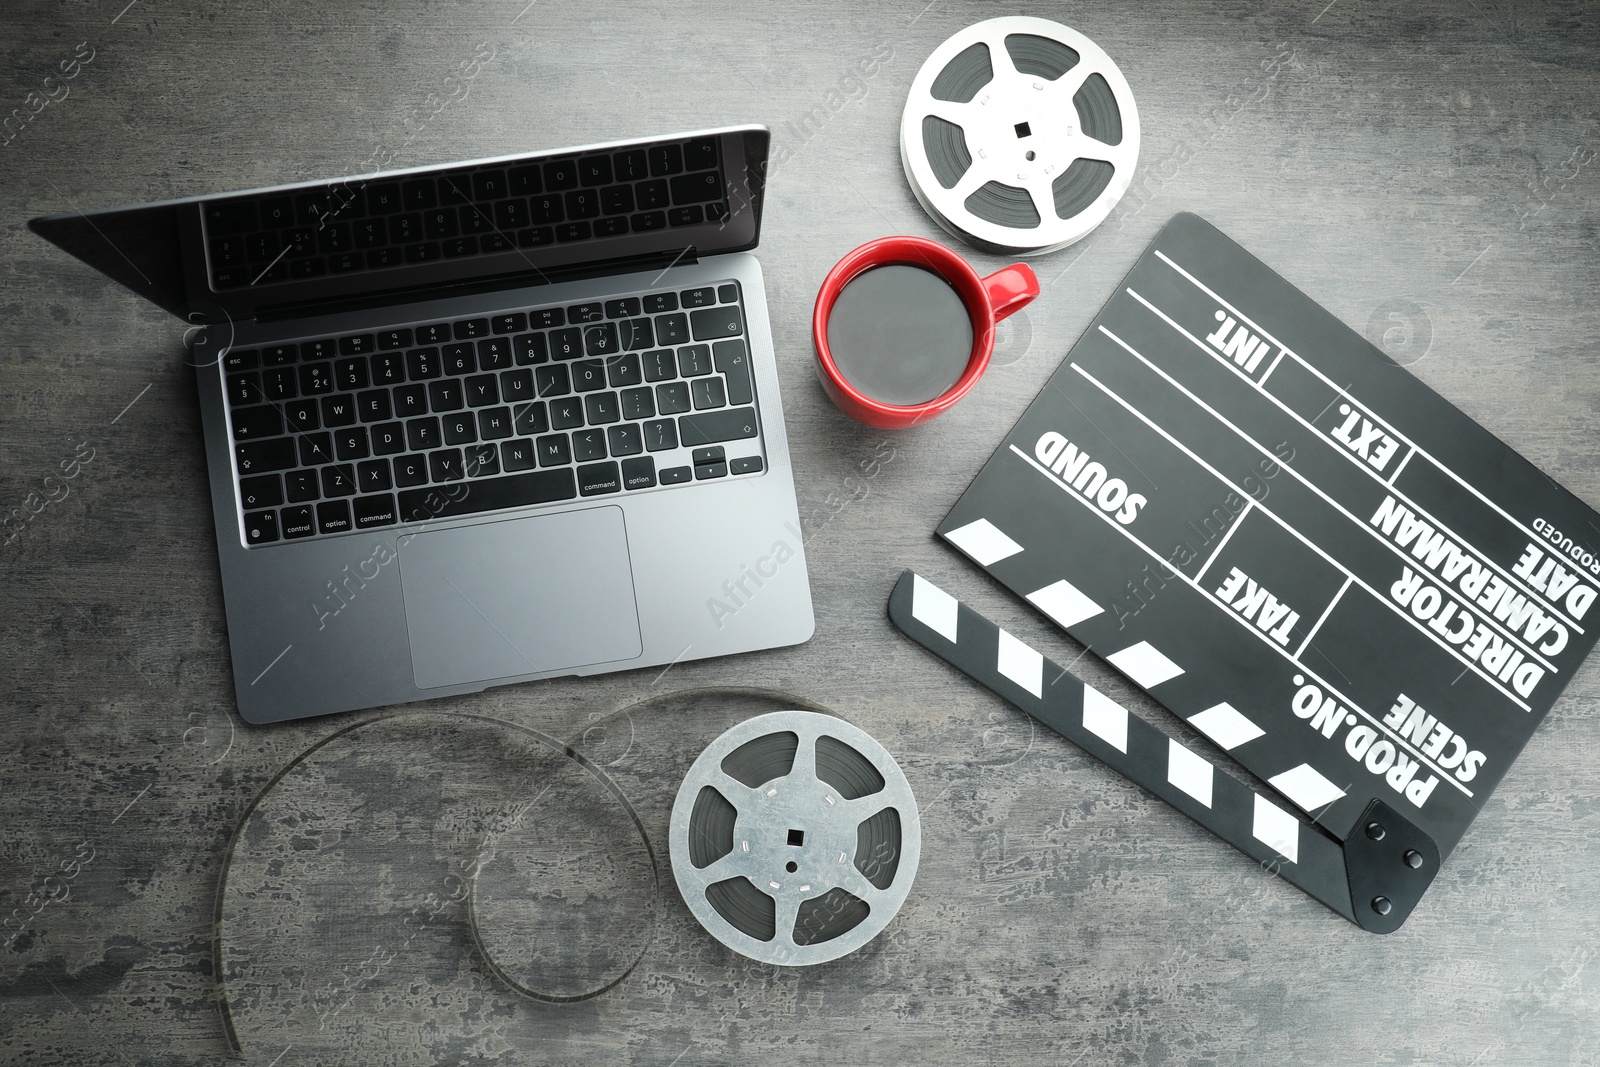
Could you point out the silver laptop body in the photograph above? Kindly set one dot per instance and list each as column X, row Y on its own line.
column 484, row 423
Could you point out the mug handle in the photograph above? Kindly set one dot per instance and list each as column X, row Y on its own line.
column 1010, row 289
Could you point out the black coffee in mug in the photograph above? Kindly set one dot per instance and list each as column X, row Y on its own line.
column 900, row 334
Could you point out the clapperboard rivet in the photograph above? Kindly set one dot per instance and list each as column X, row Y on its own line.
column 1375, row 831
column 1381, row 905
column 1413, row 858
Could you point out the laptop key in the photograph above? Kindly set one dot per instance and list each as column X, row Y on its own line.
column 517, row 455
column 388, row 439
column 316, row 378
column 659, row 365
column 259, row 457
column 436, row 334
column 351, row 443
column 638, row 403
column 339, row 480
column 350, row 373
column 639, row 473
column 389, row 368
column 373, row 476
column 625, row 307
column 600, row 339
column 637, row 333
column 530, row 348
column 410, row 400
column 694, row 360
column 658, row 302
column 483, row 461
column 602, row 409
column 553, row 450
column 494, row 423
column 252, row 423
column 338, row 410
column 624, row 370
column 588, row 375
column 745, row 465
column 301, row 485
column 492, row 494
column 482, row 391
column 730, row 424
column 410, row 470
column 445, row 465
column 260, row 527
column 732, row 360
column 710, row 323
column 625, row 440
column 672, row 398
column 599, row 478
column 333, row 516
column 278, row 383
column 244, row 389
column 708, row 393
column 263, row 491
column 494, row 353
column 699, row 298
column 593, row 311
column 530, row 419
column 468, row 329
column 446, row 395
column 460, row 428
column 672, row 329
column 547, row 318
column 566, row 412
column 567, row 343
column 373, row 405
column 675, row 475
column 660, row 434
column 588, row 444
column 371, row 511
column 516, row 385
column 552, row 381
column 422, row 434
column 297, row 522
column 459, row 359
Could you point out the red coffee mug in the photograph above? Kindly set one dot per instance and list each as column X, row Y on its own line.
column 987, row 300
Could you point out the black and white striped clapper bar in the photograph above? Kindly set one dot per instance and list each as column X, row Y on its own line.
column 1374, row 878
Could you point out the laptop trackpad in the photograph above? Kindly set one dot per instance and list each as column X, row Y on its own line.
column 522, row 596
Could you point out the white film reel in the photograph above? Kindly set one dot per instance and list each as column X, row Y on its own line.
column 795, row 838
column 1019, row 135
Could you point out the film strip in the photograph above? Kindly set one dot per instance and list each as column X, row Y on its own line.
column 1374, row 878
column 1019, row 135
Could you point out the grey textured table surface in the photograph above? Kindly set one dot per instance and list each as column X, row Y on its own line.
column 1426, row 171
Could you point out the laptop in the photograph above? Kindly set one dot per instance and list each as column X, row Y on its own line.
column 484, row 423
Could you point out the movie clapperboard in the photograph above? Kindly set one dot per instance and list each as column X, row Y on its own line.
column 1346, row 584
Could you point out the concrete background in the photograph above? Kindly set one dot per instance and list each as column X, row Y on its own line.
column 1425, row 170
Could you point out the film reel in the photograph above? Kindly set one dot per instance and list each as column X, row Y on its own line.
column 1019, row 135
column 794, row 838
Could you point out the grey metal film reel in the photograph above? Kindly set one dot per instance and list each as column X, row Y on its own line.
column 1019, row 135
column 795, row 838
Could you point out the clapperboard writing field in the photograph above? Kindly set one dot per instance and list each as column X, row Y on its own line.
column 1353, row 589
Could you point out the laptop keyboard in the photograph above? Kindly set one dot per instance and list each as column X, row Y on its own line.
column 430, row 420
column 373, row 223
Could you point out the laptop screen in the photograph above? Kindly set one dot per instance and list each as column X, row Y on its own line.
column 511, row 220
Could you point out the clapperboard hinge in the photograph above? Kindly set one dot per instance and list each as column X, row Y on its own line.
column 1374, row 878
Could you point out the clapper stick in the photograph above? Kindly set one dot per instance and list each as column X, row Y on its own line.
column 1374, row 879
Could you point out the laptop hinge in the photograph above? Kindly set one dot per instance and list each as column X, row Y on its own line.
column 512, row 280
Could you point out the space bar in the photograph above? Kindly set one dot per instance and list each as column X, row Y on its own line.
column 488, row 494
